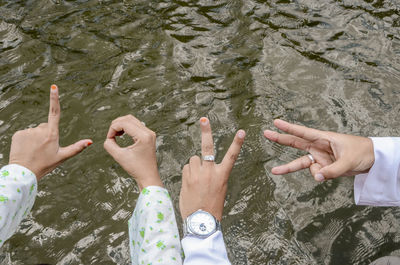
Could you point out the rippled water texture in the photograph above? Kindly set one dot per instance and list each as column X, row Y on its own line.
column 333, row 65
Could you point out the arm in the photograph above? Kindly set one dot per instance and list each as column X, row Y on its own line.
column 204, row 186
column 34, row 153
column 153, row 232
column 381, row 185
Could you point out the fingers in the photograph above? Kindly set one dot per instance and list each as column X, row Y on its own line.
column 314, row 168
column 299, row 131
column 127, row 125
column 130, row 125
column 185, row 172
column 286, row 139
column 334, row 170
column 207, row 143
column 233, row 152
column 132, row 119
column 296, row 165
column 54, row 111
column 112, row 147
column 194, row 165
column 73, row 149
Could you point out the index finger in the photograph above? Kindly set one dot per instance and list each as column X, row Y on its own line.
column 288, row 140
column 233, row 152
column 54, row 110
column 299, row 131
column 123, row 125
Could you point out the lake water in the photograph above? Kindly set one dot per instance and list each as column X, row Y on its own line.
column 332, row 65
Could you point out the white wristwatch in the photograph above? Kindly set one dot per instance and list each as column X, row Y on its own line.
column 200, row 224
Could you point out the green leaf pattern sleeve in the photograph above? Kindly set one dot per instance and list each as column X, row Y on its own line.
column 153, row 232
column 18, row 188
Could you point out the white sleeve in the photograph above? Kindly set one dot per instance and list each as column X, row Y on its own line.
column 18, row 188
column 153, row 232
column 381, row 185
column 208, row 251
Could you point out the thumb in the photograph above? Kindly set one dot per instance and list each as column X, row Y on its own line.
column 112, row 147
column 334, row 170
column 74, row 149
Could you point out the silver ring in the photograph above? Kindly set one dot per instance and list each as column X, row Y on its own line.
column 311, row 158
column 209, row 158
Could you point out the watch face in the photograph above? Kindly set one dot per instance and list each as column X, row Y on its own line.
column 202, row 223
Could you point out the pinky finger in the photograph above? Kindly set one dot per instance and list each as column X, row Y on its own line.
column 296, row 165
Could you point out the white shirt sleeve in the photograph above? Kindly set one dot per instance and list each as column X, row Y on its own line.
column 153, row 232
column 18, row 188
column 208, row 251
column 381, row 185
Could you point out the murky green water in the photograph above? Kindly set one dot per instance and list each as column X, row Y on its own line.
column 328, row 64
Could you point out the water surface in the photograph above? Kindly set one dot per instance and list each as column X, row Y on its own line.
column 332, row 65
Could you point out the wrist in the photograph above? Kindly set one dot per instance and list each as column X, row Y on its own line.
column 32, row 169
column 217, row 214
column 370, row 153
column 149, row 181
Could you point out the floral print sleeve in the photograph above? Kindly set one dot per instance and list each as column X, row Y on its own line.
column 153, row 232
column 18, row 188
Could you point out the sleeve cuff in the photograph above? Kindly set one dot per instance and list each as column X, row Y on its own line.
column 381, row 185
column 21, row 172
column 205, row 251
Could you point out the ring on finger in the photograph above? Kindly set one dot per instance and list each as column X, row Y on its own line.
column 209, row 158
column 311, row 158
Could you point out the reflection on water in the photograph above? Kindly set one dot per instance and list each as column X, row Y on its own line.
column 327, row 64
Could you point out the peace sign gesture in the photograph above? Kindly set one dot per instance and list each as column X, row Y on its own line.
column 331, row 154
column 38, row 148
column 204, row 183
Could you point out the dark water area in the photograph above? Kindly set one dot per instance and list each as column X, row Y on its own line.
column 332, row 65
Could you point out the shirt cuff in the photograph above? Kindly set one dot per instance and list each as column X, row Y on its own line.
column 205, row 251
column 381, row 185
column 20, row 171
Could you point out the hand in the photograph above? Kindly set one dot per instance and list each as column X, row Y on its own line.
column 204, row 183
column 335, row 154
column 38, row 148
column 139, row 159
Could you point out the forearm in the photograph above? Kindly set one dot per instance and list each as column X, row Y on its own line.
column 381, row 185
column 153, row 232
column 18, row 188
column 208, row 251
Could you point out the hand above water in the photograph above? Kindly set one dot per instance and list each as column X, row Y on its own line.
column 335, row 154
column 138, row 159
column 38, row 148
column 204, row 183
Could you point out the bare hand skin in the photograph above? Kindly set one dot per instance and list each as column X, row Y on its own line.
column 335, row 154
column 38, row 148
column 138, row 159
column 204, row 183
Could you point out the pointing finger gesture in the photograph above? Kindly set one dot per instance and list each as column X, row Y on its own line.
column 38, row 149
